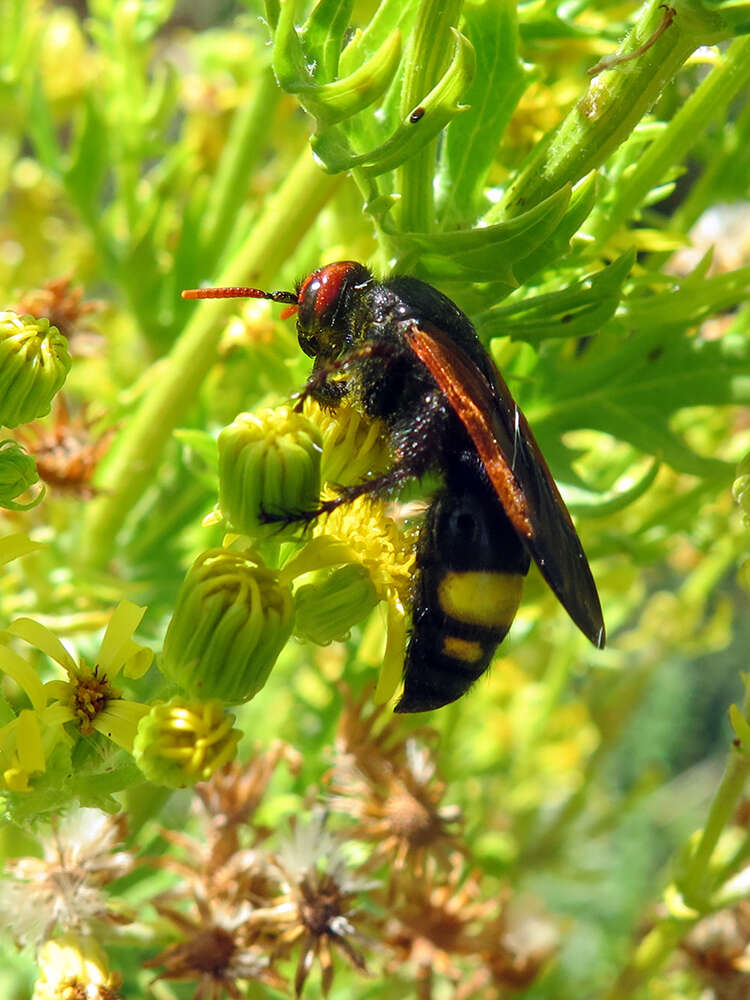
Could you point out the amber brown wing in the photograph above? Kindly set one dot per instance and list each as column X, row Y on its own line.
column 517, row 469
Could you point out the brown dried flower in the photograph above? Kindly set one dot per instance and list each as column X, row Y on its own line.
column 216, row 951
column 66, row 454
column 388, row 783
column 64, row 307
column 317, row 907
column 719, row 950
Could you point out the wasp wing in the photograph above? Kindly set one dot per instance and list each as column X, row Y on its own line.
column 516, row 468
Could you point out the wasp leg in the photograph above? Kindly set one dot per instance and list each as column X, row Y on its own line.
column 329, row 393
column 377, row 486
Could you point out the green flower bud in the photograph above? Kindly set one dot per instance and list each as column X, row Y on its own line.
column 34, row 362
column 232, row 619
column 268, row 461
column 180, row 743
column 17, row 474
column 326, row 609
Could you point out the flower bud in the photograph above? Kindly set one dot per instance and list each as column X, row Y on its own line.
column 231, row 621
column 181, row 742
column 17, row 474
column 268, row 462
column 34, row 362
column 75, row 965
column 326, row 609
column 354, row 446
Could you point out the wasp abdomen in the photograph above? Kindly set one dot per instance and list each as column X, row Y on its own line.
column 471, row 566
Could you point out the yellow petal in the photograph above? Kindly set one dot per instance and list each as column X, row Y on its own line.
column 124, row 621
column 24, row 675
column 44, row 640
column 119, row 721
column 395, row 648
column 16, row 545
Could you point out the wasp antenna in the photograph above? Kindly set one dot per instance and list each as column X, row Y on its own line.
column 239, row 292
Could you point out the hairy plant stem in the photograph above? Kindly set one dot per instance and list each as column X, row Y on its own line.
column 286, row 219
column 697, row 884
column 429, row 55
column 615, row 102
column 704, row 105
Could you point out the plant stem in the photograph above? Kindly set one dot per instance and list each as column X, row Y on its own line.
column 287, row 217
column 240, row 155
column 697, row 884
column 704, row 105
column 615, row 102
column 429, row 55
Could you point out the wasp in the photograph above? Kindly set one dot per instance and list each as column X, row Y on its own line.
column 406, row 355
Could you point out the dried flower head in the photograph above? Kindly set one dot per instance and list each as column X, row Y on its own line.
column 66, row 452
column 316, row 911
column 719, row 951
column 438, row 918
column 62, row 890
column 388, row 783
column 214, row 951
column 65, row 308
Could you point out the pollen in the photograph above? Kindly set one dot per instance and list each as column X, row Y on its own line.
column 90, row 693
column 381, row 546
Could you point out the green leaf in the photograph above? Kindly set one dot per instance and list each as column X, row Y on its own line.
column 581, row 309
column 89, row 158
column 481, row 254
column 588, row 504
column 440, row 106
column 631, row 387
column 471, row 140
column 557, row 245
column 323, row 35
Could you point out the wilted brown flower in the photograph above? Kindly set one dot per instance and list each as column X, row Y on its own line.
column 216, row 865
column 64, row 307
column 388, row 783
column 317, row 907
column 719, row 950
column 66, row 454
column 215, row 952
column 62, row 891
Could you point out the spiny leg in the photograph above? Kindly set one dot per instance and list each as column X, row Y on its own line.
column 377, row 486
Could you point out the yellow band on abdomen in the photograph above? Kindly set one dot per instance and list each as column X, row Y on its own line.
column 467, row 650
column 483, row 598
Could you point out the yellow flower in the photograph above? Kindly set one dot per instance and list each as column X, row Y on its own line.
column 75, row 965
column 87, row 698
column 361, row 532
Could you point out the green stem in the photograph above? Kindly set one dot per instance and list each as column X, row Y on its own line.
column 696, row 885
column 615, row 102
column 240, row 155
column 697, row 882
column 706, row 104
column 287, row 217
column 429, row 55
column 703, row 192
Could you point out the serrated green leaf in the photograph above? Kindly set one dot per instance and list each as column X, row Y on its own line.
column 631, row 388
column 576, row 311
column 471, row 139
column 557, row 245
column 485, row 254
column 589, row 504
